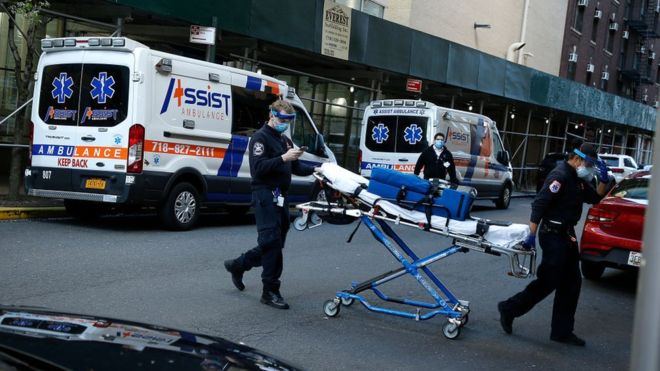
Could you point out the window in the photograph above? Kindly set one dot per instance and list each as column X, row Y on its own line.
column 84, row 94
column 579, row 17
column 497, row 144
column 302, row 131
column 571, row 70
column 609, row 40
column 403, row 134
column 368, row 6
column 250, row 110
column 603, row 84
column 627, row 162
column 594, row 30
column 634, row 188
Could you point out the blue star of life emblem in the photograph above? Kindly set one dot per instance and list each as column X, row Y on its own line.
column 380, row 133
column 102, row 87
column 412, row 134
column 62, row 87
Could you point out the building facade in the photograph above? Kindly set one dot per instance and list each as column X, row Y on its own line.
column 536, row 111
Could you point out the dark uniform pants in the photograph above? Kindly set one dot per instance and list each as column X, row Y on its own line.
column 559, row 270
column 272, row 227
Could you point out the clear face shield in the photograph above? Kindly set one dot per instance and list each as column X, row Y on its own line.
column 282, row 120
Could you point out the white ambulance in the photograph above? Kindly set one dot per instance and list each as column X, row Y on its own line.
column 396, row 131
column 115, row 122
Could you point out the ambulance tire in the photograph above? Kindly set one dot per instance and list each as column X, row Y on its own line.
column 505, row 197
column 84, row 210
column 181, row 208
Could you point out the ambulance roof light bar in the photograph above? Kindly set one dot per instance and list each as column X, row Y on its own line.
column 291, row 92
column 50, row 44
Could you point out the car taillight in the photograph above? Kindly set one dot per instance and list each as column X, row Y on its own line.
column 135, row 148
column 600, row 215
column 617, row 170
column 31, row 140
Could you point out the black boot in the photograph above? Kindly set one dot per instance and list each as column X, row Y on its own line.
column 236, row 273
column 571, row 339
column 506, row 320
column 274, row 299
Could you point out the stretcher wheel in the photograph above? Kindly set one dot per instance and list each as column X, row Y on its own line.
column 314, row 218
column 331, row 308
column 451, row 330
column 465, row 320
column 347, row 301
column 299, row 224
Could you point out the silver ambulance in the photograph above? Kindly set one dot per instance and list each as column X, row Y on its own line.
column 396, row 131
column 115, row 122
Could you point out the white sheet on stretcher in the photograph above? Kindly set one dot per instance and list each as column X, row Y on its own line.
column 347, row 182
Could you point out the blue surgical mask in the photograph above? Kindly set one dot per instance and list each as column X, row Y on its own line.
column 439, row 143
column 281, row 128
column 585, row 173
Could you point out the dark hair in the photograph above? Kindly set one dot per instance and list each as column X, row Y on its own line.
column 438, row 135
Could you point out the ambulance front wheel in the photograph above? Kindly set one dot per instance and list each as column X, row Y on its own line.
column 180, row 210
column 505, row 197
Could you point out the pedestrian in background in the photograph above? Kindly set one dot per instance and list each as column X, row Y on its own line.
column 272, row 161
column 437, row 161
column 556, row 210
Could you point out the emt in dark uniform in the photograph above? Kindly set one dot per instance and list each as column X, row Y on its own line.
column 272, row 160
column 556, row 210
column 437, row 161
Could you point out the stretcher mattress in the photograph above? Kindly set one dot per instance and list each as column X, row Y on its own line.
column 348, row 183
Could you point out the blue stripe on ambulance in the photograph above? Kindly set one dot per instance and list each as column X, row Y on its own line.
column 168, row 97
column 53, row 150
column 233, row 159
column 253, row 83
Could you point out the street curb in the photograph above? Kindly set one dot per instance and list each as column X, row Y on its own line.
column 15, row 213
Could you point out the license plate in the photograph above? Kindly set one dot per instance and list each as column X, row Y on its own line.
column 635, row 259
column 95, row 183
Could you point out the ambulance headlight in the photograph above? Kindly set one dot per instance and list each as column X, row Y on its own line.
column 118, row 42
column 94, row 42
column 70, row 42
column 46, row 44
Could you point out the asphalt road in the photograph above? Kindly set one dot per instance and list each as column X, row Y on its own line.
column 126, row 267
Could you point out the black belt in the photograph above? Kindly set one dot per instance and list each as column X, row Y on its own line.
column 551, row 226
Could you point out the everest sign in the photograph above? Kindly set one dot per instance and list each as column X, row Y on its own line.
column 414, row 85
column 202, row 35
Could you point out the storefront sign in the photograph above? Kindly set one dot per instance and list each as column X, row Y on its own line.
column 336, row 35
column 202, row 35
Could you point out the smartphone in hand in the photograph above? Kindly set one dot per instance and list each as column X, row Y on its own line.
column 303, row 148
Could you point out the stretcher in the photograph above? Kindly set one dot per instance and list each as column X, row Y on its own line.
column 347, row 195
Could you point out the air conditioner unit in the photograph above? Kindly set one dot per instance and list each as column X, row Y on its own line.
column 652, row 55
column 590, row 68
column 614, row 26
column 572, row 57
column 583, row 2
column 598, row 14
column 626, row 35
column 605, row 76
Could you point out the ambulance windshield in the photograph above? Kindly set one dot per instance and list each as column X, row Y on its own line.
column 84, row 94
column 402, row 134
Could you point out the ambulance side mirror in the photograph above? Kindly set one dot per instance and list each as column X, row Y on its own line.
column 503, row 157
column 319, row 146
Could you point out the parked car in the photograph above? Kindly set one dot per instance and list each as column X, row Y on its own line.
column 620, row 165
column 612, row 235
column 40, row 339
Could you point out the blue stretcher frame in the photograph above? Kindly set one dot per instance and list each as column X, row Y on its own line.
column 450, row 306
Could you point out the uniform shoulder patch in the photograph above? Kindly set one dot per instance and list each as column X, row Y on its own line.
column 555, row 186
column 258, row 149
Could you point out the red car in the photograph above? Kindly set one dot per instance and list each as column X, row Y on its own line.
column 612, row 235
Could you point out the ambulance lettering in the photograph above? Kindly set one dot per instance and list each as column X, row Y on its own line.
column 197, row 97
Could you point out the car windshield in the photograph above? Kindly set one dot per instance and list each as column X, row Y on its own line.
column 636, row 189
column 611, row 161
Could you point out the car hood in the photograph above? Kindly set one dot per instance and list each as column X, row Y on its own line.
column 39, row 338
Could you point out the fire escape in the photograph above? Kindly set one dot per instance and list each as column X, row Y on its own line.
column 643, row 26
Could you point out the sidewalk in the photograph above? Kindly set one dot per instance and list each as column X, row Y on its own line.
column 27, row 207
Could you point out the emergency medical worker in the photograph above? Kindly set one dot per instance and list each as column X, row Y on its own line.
column 272, row 160
column 556, row 210
column 437, row 161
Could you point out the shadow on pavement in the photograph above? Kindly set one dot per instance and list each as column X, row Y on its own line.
column 617, row 280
